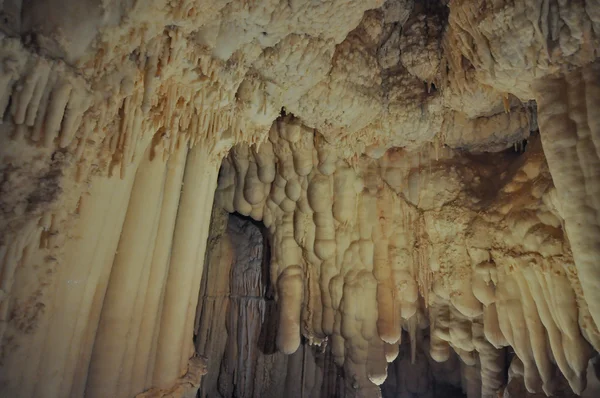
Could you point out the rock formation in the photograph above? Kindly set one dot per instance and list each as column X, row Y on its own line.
column 414, row 183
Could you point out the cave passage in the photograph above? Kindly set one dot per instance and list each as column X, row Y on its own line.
column 238, row 322
column 238, row 318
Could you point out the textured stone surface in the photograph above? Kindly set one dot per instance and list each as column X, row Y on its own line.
column 426, row 166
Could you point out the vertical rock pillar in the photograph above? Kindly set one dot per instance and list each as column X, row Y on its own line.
column 175, row 344
column 570, row 129
column 116, row 338
column 150, row 326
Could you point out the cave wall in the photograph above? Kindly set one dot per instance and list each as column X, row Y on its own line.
column 359, row 132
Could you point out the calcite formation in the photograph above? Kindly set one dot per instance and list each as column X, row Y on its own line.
column 425, row 171
column 470, row 247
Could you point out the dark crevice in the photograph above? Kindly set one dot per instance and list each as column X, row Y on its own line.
column 238, row 320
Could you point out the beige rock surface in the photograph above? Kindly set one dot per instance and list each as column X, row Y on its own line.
column 423, row 168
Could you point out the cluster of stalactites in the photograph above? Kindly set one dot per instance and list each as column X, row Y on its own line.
column 356, row 259
column 340, row 245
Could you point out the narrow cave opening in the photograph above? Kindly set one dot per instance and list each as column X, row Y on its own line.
column 425, row 377
column 237, row 322
column 236, row 307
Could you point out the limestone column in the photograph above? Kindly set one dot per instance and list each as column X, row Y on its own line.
column 570, row 130
column 62, row 338
column 108, row 372
column 88, row 261
column 185, row 269
column 146, row 344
